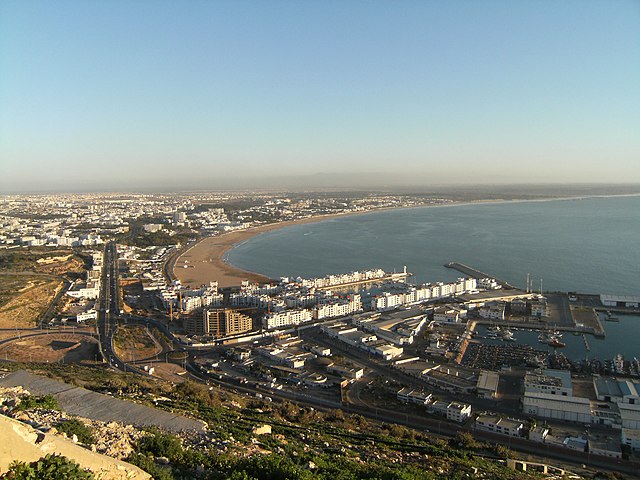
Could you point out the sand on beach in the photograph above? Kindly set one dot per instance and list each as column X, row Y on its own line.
column 205, row 263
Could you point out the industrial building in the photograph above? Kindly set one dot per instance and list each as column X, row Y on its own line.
column 570, row 409
column 487, row 386
column 553, row 382
column 617, row 391
column 623, row 301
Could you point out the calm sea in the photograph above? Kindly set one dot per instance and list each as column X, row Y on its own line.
column 586, row 245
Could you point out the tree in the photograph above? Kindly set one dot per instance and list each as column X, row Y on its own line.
column 464, row 440
column 50, row 467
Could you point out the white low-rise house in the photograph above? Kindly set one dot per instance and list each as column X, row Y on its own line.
column 189, row 304
column 538, row 433
column 90, row 291
column 338, row 307
column 320, row 350
column 575, row 443
column 444, row 315
column 169, row 297
column 286, row 317
column 301, row 301
column 152, row 227
column 249, row 300
column 351, row 373
column 407, row 395
column 497, row 424
column 540, row 309
column 388, row 351
column 357, row 338
column 454, row 411
column 439, row 407
column 492, row 311
column 400, row 327
column 89, row 315
column 284, row 357
column 212, row 299
column 488, row 284
column 387, row 301
column 335, row 330
column 458, row 412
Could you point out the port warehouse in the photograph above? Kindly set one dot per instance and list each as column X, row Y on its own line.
column 620, row 301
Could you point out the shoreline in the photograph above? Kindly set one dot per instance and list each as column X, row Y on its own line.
column 210, row 261
column 207, row 260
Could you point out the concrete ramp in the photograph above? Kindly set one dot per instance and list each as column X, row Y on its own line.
column 97, row 406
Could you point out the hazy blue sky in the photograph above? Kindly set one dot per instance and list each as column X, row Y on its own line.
column 131, row 94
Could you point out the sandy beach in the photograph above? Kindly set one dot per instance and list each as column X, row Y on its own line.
column 205, row 263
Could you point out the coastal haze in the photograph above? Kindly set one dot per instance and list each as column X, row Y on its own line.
column 221, row 95
column 271, row 223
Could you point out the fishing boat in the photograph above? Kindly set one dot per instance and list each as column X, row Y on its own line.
column 493, row 331
column 618, row 363
column 507, row 335
column 610, row 317
column 556, row 343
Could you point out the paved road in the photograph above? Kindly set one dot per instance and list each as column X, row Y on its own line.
column 109, row 309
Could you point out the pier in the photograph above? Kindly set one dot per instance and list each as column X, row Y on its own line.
column 475, row 273
column 586, row 320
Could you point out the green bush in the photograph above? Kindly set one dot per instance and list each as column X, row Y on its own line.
column 160, row 444
column 75, row 427
column 30, row 402
column 152, row 468
column 50, row 467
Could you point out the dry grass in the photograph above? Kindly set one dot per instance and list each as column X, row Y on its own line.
column 134, row 343
column 51, row 348
column 28, row 304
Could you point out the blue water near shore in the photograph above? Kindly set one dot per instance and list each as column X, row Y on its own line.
column 589, row 245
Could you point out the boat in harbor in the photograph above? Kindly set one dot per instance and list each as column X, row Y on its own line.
column 610, row 317
column 507, row 335
column 551, row 337
column 555, row 342
column 618, row 363
column 493, row 331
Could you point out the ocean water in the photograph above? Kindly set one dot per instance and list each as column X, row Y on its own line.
column 589, row 245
